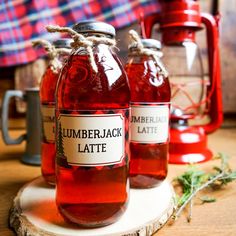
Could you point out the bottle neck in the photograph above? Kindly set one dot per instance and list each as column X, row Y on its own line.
column 91, row 46
column 133, row 52
column 63, row 57
column 137, row 58
column 100, row 47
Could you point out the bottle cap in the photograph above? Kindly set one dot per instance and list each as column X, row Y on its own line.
column 95, row 27
column 151, row 43
column 62, row 43
column 148, row 43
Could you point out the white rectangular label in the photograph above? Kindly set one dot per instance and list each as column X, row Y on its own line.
column 91, row 140
column 48, row 114
column 149, row 124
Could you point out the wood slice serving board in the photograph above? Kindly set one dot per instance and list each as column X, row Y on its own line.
column 34, row 213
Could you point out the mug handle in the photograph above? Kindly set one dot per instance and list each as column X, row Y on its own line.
column 5, row 112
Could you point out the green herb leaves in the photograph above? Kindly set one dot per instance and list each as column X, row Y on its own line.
column 195, row 180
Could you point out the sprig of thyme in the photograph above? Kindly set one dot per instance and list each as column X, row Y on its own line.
column 195, row 180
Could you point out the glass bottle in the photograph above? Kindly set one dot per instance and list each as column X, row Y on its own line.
column 150, row 104
column 92, row 110
column 47, row 100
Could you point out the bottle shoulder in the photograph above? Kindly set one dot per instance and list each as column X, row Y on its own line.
column 147, row 83
column 79, row 84
column 48, row 86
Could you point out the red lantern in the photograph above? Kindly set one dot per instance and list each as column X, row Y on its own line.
column 193, row 97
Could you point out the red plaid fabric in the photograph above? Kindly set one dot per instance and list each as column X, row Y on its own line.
column 22, row 21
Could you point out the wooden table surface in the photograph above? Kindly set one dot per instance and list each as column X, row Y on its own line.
column 218, row 218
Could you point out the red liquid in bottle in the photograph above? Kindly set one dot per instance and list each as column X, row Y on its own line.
column 47, row 98
column 92, row 196
column 148, row 160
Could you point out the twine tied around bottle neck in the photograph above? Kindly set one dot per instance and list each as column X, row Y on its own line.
column 53, row 54
column 136, row 41
column 83, row 41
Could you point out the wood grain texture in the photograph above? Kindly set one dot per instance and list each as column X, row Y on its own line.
column 228, row 53
column 216, row 219
column 219, row 218
column 34, row 212
column 28, row 76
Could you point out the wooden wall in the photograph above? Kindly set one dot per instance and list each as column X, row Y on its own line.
column 228, row 54
column 227, row 49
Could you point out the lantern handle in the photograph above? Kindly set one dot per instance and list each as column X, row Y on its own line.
column 214, row 92
column 147, row 24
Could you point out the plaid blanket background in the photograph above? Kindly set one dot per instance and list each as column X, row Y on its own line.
column 22, row 21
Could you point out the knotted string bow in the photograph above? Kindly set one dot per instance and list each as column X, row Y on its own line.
column 82, row 41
